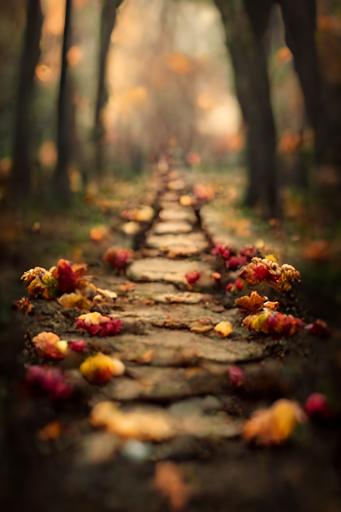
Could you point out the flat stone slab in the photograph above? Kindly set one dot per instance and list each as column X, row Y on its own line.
column 181, row 298
column 157, row 424
column 176, row 185
column 177, row 214
column 172, row 347
column 176, row 227
column 164, row 384
column 170, row 196
column 163, row 269
column 193, row 243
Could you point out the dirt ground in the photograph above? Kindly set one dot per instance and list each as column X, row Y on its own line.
column 176, row 368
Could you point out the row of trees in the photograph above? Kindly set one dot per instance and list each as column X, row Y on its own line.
column 246, row 23
column 22, row 154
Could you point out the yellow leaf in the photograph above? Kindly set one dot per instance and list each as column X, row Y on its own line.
column 74, row 300
column 273, row 425
column 224, row 328
column 99, row 369
column 138, row 424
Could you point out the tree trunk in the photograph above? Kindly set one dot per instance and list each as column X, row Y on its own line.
column 300, row 26
column 245, row 25
column 65, row 116
column 108, row 18
column 22, row 162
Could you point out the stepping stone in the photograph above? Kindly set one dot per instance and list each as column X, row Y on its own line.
column 176, row 185
column 151, row 423
column 170, row 196
column 181, row 298
column 163, row 269
column 166, row 228
column 163, row 384
column 172, row 347
column 177, row 214
column 193, row 243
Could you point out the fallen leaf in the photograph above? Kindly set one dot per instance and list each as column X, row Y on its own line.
column 50, row 432
column 118, row 258
column 130, row 228
column 74, row 300
column 50, row 381
column 99, row 233
column 97, row 324
column 170, row 482
column 24, row 305
column 49, row 345
column 100, row 368
column 224, row 328
column 252, row 302
column 318, row 328
column 317, row 406
column 138, row 424
column 268, row 321
column 192, row 277
column 273, row 425
column 236, row 376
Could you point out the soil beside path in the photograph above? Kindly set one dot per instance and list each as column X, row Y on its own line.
column 176, row 384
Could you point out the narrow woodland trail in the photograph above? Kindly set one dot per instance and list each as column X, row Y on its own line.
column 181, row 396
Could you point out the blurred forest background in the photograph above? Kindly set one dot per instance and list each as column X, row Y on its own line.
column 247, row 92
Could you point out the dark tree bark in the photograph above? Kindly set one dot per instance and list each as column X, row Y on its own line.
column 65, row 116
column 22, row 162
column 300, row 27
column 108, row 18
column 245, row 24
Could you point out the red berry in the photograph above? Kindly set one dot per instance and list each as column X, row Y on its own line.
column 317, row 406
column 192, row 277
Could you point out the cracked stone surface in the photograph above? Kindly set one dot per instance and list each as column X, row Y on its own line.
column 168, row 270
column 177, row 214
column 193, row 243
column 166, row 228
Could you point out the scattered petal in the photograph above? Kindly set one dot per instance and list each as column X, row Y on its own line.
column 317, row 406
column 280, row 277
column 98, row 325
column 100, row 369
column 50, row 381
column 130, row 228
column 268, row 321
column 192, row 277
column 236, row 286
column 50, row 432
column 40, row 283
column 170, row 482
column 118, row 259
column 236, row 376
column 273, row 425
column 49, row 345
column 139, row 424
column 252, row 302
column 74, row 300
column 99, row 233
column 318, row 328
column 224, row 328
column 78, row 346
column 24, row 305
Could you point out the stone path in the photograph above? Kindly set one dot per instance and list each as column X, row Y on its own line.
column 174, row 400
column 168, row 343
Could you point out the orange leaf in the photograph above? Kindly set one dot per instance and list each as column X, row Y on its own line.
column 275, row 424
column 252, row 302
column 170, row 482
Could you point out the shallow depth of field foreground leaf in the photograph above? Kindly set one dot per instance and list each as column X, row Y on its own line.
column 138, row 424
column 275, row 424
column 170, row 482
